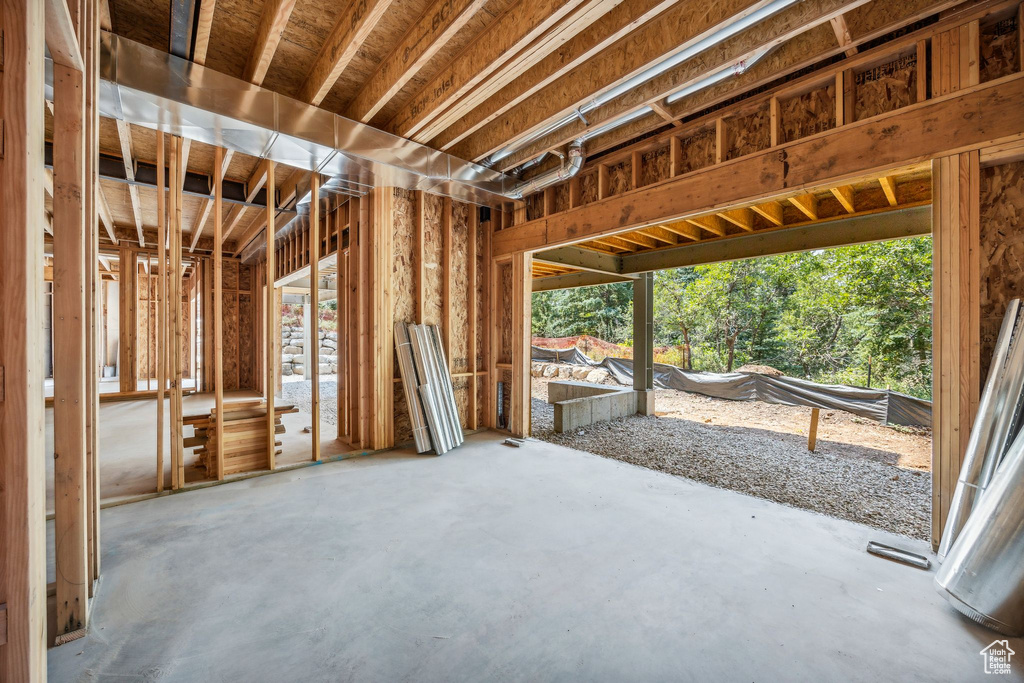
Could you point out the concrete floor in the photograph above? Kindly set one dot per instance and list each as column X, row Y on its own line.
column 494, row 563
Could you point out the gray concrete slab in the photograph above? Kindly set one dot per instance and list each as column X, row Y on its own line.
column 493, row 563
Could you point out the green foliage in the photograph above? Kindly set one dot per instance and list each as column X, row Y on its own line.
column 831, row 316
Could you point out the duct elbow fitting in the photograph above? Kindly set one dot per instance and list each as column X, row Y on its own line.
column 555, row 175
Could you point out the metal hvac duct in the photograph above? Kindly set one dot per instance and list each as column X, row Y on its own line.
column 983, row 574
column 994, row 426
column 154, row 89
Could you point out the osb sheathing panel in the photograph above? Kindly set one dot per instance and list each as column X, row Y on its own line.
column 654, row 166
column 146, row 286
column 458, row 355
column 620, row 178
column 462, row 391
column 482, row 387
column 245, row 278
column 144, row 21
column 403, row 258
column 535, row 206
column 999, row 49
column 506, row 399
column 588, row 188
column 433, row 274
column 1002, row 249
column 403, row 424
column 886, row 87
column 505, row 285
column 230, row 274
column 697, row 150
column 482, row 304
column 807, row 114
column 748, row 133
column 234, row 29
column 561, row 198
column 231, row 341
column 246, row 350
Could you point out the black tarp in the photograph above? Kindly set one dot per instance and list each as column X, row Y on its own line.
column 882, row 405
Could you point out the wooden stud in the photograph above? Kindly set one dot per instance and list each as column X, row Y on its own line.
column 675, row 155
column 22, row 418
column 273, row 312
column 574, row 195
column 774, row 121
column 922, row 70
column 849, row 98
column 69, row 361
column 471, row 299
column 634, row 167
column 161, row 309
column 719, row 140
column 812, row 431
column 314, row 297
column 602, row 182
column 446, row 287
column 421, row 279
column 218, row 306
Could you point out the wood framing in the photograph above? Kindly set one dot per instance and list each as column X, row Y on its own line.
column 161, row 308
column 22, row 419
column 314, row 302
column 272, row 312
column 218, row 308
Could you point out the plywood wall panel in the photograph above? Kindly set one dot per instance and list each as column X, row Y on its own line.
column 747, row 133
column 654, row 166
column 231, row 340
column 505, row 283
column 886, row 87
column 588, row 188
column 403, row 264
column 246, row 348
column 807, row 114
column 620, row 178
column 697, row 150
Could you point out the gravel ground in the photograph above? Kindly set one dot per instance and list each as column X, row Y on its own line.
column 759, row 463
column 301, row 394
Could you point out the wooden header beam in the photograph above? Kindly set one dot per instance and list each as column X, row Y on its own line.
column 968, row 119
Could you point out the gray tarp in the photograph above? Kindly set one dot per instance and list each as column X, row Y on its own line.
column 881, row 405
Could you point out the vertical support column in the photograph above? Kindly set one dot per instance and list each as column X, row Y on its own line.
column 314, row 305
column 956, row 325
column 273, row 313
column 128, row 276
column 471, row 299
column 69, row 371
column 340, row 291
column 218, row 304
column 382, row 342
column 177, row 326
column 421, row 238
column 643, row 343
column 354, row 332
column 161, row 308
column 22, row 419
column 522, row 293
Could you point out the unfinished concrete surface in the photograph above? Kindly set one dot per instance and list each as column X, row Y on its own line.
column 493, row 563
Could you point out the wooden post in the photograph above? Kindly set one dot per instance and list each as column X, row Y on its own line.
column 421, row 279
column 314, row 296
column 161, row 309
column 774, row 121
column 177, row 328
column 340, row 290
column 675, row 156
column 22, row 417
column 381, row 363
column 273, row 313
column 472, row 225
column 218, row 305
column 812, row 432
column 69, row 371
column 446, row 271
column 522, row 283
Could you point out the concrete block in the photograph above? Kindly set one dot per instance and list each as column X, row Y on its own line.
column 645, row 402
column 622, row 404
column 601, row 408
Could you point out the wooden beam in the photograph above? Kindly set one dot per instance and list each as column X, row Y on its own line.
column 104, row 210
column 683, row 229
column 124, row 135
column 272, row 313
column 438, row 25
column 22, row 417
column 314, row 296
column 69, row 371
column 888, row 184
column 346, row 38
column 843, row 37
column 710, row 222
column 969, row 119
column 807, row 203
column 273, row 21
column 585, row 45
column 62, row 36
column 844, row 194
column 521, row 24
column 204, row 25
column 672, row 32
column 581, row 259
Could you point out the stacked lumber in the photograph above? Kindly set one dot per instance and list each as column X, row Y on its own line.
column 244, row 433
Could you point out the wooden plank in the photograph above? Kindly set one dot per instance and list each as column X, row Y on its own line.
column 272, row 313
column 341, row 46
column 22, row 418
column 273, row 21
column 314, row 297
column 69, row 361
column 204, row 25
column 161, row 309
